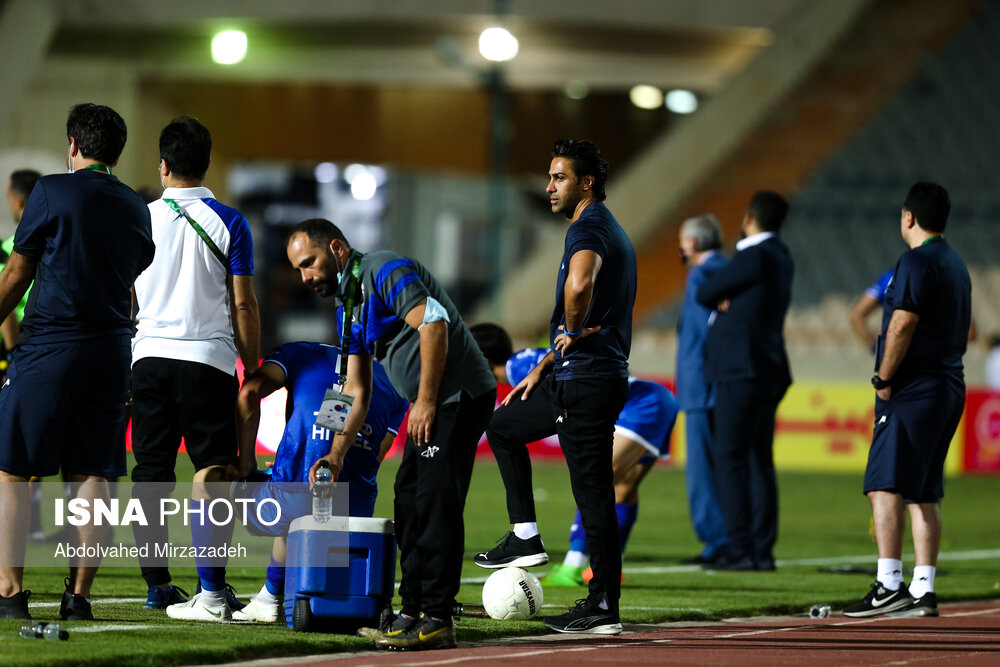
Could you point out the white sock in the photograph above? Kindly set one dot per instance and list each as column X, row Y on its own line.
column 575, row 559
column 890, row 573
column 526, row 530
column 266, row 597
column 923, row 580
column 213, row 598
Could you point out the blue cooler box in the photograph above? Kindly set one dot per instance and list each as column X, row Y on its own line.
column 340, row 574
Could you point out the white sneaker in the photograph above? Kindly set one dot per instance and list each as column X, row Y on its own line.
column 259, row 611
column 196, row 610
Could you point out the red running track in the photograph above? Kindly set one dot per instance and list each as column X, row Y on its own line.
column 965, row 634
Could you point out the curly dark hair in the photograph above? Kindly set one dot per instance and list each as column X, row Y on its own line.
column 99, row 132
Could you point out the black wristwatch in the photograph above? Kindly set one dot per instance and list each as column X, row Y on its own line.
column 879, row 383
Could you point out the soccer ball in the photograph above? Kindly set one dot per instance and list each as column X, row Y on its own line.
column 512, row 593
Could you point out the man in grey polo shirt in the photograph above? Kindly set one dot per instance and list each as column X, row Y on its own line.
column 399, row 314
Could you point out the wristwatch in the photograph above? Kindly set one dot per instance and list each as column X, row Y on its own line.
column 879, row 383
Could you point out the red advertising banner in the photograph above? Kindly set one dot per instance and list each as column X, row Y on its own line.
column 982, row 432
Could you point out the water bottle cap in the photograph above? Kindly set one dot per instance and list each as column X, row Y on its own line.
column 324, row 464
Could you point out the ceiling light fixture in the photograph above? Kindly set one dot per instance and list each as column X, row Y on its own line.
column 682, row 101
column 646, row 97
column 498, row 45
column 229, row 47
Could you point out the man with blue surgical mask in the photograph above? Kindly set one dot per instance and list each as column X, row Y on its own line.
column 394, row 310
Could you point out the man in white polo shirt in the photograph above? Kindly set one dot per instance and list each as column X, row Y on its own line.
column 197, row 312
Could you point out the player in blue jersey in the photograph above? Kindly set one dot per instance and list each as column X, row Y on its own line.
column 869, row 302
column 307, row 370
column 642, row 435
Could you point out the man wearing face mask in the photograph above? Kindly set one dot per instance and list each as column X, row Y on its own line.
column 404, row 319
column 745, row 359
column 700, row 240
column 197, row 313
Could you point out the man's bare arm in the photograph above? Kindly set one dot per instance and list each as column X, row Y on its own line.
column 246, row 321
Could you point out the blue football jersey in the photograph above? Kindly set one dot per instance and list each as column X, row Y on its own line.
column 649, row 413
column 523, row 363
column 311, row 369
column 878, row 288
column 648, row 416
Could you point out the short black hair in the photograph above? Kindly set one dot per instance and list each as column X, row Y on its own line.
column 587, row 161
column 99, row 132
column 494, row 342
column 930, row 205
column 768, row 209
column 186, row 145
column 22, row 182
column 320, row 232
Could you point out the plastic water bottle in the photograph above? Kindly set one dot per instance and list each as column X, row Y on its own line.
column 323, row 493
column 31, row 630
column 54, row 632
column 819, row 611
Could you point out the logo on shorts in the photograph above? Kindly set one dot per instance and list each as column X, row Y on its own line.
column 882, row 420
column 430, row 452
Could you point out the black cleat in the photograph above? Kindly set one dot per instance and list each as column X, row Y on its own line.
column 586, row 618
column 74, row 607
column 161, row 598
column 429, row 633
column 726, row 564
column 512, row 551
column 16, row 606
column 880, row 600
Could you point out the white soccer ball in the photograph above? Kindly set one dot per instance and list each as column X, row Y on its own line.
column 512, row 593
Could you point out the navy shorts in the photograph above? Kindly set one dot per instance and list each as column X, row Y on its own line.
column 913, row 430
column 63, row 406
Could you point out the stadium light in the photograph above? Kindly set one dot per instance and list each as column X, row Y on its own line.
column 352, row 171
column 498, row 45
column 325, row 172
column 229, row 47
column 576, row 89
column 682, row 101
column 646, row 97
column 363, row 187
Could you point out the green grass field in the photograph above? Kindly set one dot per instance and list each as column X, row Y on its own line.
column 824, row 522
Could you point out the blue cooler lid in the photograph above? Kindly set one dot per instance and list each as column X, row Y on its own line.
column 351, row 524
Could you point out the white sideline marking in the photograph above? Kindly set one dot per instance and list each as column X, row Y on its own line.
column 108, row 627
column 93, row 601
column 979, row 554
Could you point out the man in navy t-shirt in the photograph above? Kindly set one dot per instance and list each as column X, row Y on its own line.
column 920, row 396
column 577, row 390
column 84, row 238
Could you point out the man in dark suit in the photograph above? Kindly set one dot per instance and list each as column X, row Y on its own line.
column 746, row 361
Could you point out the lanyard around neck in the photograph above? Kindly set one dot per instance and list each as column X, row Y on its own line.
column 349, row 287
column 103, row 168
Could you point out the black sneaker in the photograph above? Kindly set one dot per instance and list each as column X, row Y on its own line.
column 74, row 607
column 391, row 625
column 880, row 600
column 16, row 606
column 586, row 618
column 429, row 633
column 925, row 605
column 512, row 551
